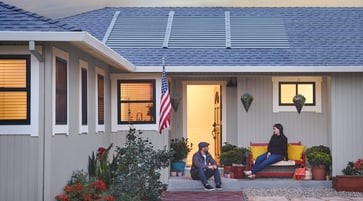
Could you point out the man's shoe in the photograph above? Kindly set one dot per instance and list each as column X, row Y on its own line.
column 247, row 173
column 219, row 187
column 208, row 187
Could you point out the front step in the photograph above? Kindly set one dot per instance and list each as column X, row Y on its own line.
column 187, row 184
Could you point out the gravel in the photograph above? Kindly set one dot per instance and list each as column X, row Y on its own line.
column 291, row 193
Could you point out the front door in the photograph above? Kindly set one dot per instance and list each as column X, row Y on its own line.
column 204, row 118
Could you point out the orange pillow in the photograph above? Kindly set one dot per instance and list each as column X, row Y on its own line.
column 294, row 152
column 257, row 150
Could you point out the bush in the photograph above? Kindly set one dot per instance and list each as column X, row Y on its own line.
column 180, row 148
column 233, row 154
column 319, row 155
column 354, row 168
column 136, row 169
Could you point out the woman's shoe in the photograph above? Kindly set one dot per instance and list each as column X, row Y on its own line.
column 252, row 176
column 248, row 173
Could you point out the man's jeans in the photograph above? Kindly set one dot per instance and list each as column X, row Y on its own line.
column 204, row 174
column 262, row 161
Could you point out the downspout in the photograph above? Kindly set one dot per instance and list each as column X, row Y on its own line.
column 40, row 58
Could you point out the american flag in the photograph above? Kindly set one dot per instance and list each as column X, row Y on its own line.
column 165, row 105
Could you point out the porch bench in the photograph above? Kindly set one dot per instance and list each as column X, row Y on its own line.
column 296, row 159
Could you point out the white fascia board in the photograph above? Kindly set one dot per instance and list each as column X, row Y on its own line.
column 83, row 38
column 250, row 69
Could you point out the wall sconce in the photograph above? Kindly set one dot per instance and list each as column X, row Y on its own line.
column 232, row 83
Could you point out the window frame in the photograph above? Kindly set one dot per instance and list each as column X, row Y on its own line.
column 27, row 89
column 83, row 128
column 297, row 92
column 119, row 102
column 297, row 79
column 60, row 129
column 100, row 128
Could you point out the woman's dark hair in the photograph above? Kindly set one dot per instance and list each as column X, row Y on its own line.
column 280, row 127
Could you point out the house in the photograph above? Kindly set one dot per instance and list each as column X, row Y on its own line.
column 81, row 81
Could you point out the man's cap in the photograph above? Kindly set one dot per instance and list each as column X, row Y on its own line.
column 203, row 144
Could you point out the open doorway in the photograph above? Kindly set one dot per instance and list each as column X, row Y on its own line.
column 204, row 118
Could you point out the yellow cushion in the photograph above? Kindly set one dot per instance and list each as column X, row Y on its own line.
column 257, row 150
column 294, row 152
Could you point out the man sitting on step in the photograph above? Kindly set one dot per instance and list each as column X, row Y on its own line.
column 204, row 167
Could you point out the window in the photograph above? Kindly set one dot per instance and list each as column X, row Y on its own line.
column 15, row 90
column 83, row 97
column 61, row 98
column 136, row 101
column 101, row 99
column 287, row 90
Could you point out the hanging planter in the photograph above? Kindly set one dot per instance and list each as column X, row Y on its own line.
column 175, row 103
column 299, row 102
column 246, row 100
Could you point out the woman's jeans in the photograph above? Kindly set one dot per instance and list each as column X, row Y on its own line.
column 262, row 161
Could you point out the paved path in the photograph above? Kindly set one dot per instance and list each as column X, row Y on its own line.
column 198, row 196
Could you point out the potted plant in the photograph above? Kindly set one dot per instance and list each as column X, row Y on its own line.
column 299, row 102
column 234, row 160
column 246, row 100
column 319, row 157
column 352, row 180
column 227, row 159
column 180, row 148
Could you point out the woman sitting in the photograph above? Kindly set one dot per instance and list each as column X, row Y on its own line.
column 276, row 151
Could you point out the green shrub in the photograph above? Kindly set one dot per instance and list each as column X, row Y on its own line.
column 136, row 169
column 233, row 154
column 319, row 155
column 180, row 148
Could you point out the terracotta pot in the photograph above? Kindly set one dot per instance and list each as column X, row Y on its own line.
column 238, row 172
column 348, row 183
column 318, row 172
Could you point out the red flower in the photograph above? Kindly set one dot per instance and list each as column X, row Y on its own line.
column 76, row 188
column 100, row 151
column 61, row 198
column 358, row 164
column 108, row 198
column 67, row 189
column 99, row 185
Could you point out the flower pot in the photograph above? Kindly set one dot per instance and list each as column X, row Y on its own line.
column 178, row 166
column 227, row 170
column 348, row 183
column 318, row 172
column 238, row 171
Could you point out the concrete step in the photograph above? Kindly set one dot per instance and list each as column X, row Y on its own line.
column 185, row 183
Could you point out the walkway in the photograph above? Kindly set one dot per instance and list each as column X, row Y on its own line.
column 183, row 188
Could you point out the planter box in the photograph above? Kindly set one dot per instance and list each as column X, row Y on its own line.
column 348, row 183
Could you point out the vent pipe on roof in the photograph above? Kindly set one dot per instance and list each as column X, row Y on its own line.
column 168, row 29
column 110, row 27
column 228, row 29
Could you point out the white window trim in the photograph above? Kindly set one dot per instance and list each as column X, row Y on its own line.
column 123, row 127
column 100, row 128
column 83, row 129
column 60, row 129
column 306, row 108
column 33, row 128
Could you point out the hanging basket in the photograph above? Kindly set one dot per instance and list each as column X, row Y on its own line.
column 246, row 100
column 299, row 102
column 175, row 103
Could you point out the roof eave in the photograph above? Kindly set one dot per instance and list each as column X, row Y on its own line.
column 83, row 40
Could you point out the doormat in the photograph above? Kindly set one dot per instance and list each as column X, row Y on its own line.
column 197, row 196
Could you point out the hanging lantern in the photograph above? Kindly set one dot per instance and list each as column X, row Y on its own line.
column 246, row 100
column 299, row 101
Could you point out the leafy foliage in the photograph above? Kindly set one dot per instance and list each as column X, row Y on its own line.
column 233, row 154
column 98, row 167
column 319, row 155
column 180, row 148
column 136, row 169
column 354, row 168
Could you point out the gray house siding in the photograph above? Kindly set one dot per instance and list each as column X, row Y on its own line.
column 256, row 125
column 19, row 165
column 347, row 114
